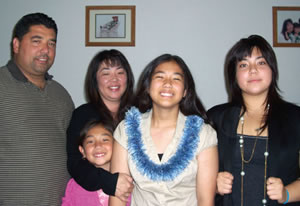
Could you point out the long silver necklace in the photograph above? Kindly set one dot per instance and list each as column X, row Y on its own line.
column 266, row 154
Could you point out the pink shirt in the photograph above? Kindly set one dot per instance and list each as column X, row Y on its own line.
column 75, row 195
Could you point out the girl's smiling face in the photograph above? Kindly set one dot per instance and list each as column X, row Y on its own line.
column 97, row 147
column 167, row 85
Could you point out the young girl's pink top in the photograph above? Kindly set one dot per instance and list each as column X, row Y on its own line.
column 75, row 195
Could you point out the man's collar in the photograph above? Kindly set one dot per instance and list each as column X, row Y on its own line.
column 18, row 75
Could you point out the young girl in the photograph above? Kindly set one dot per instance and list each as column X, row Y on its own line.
column 95, row 145
column 165, row 143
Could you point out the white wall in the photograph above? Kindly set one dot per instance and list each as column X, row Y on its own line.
column 200, row 31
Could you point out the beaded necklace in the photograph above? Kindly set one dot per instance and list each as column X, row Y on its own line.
column 266, row 154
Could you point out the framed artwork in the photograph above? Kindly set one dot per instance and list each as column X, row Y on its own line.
column 110, row 26
column 286, row 26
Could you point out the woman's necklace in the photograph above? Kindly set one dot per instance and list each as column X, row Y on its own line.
column 264, row 200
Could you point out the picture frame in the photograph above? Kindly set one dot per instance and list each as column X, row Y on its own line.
column 286, row 26
column 110, row 26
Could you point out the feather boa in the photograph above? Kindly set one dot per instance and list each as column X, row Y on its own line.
column 177, row 163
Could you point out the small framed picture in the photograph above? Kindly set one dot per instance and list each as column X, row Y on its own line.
column 286, row 26
column 110, row 26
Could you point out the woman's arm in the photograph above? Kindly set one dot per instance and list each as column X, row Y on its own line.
column 294, row 189
column 84, row 173
column 119, row 164
column 277, row 191
column 206, row 176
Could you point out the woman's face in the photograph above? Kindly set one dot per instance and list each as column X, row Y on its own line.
column 112, row 82
column 167, row 85
column 253, row 74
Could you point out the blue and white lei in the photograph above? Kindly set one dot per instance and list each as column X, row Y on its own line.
column 177, row 163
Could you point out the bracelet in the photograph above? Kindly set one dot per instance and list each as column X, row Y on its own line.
column 287, row 197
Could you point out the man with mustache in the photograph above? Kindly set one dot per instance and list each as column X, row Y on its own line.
column 35, row 111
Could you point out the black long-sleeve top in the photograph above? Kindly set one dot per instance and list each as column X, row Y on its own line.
column 84, row 173
column 283, row 144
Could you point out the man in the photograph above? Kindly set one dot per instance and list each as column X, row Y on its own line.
column 34, row 114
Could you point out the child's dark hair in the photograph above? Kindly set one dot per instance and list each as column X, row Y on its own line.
column 89, row 125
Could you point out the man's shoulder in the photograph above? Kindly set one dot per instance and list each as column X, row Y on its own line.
column 58, row 91
column 58, row 87
column 5, row 78
column 3, row 71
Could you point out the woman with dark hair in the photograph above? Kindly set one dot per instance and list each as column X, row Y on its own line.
column 109, row 88
column 287, row 31
column 258, row 135
column 165, row 143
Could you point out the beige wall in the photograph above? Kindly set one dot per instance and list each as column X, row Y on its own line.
column 200, row 31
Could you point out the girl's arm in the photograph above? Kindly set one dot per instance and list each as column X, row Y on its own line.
column 206, row 176
column 119, row 164
column 86, row 175
column 277, row 191
column 294, row 188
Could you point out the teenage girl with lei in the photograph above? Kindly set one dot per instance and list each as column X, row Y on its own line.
column 95, row 144
column 258, row 132
column 165, row 143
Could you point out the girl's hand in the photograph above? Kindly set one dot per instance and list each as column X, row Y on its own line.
column 276, row 189
column 224, row 183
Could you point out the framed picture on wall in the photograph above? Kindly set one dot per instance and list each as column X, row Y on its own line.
column 110, row 26
column 286, row 26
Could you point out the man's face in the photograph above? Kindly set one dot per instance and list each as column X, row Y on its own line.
column 35, row 52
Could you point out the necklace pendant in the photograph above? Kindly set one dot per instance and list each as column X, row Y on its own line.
column 241, row 141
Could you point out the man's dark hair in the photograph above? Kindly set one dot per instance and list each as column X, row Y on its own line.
column 23, row 25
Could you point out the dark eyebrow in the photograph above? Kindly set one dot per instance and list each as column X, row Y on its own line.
column 106, row 134
column 39, row 37
column 88, row 136
column 36, row 37
column 108, row 68
column 260, row 57
column 180, row 74
column 121, row 68
column 162, row 72
column 105, row 68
